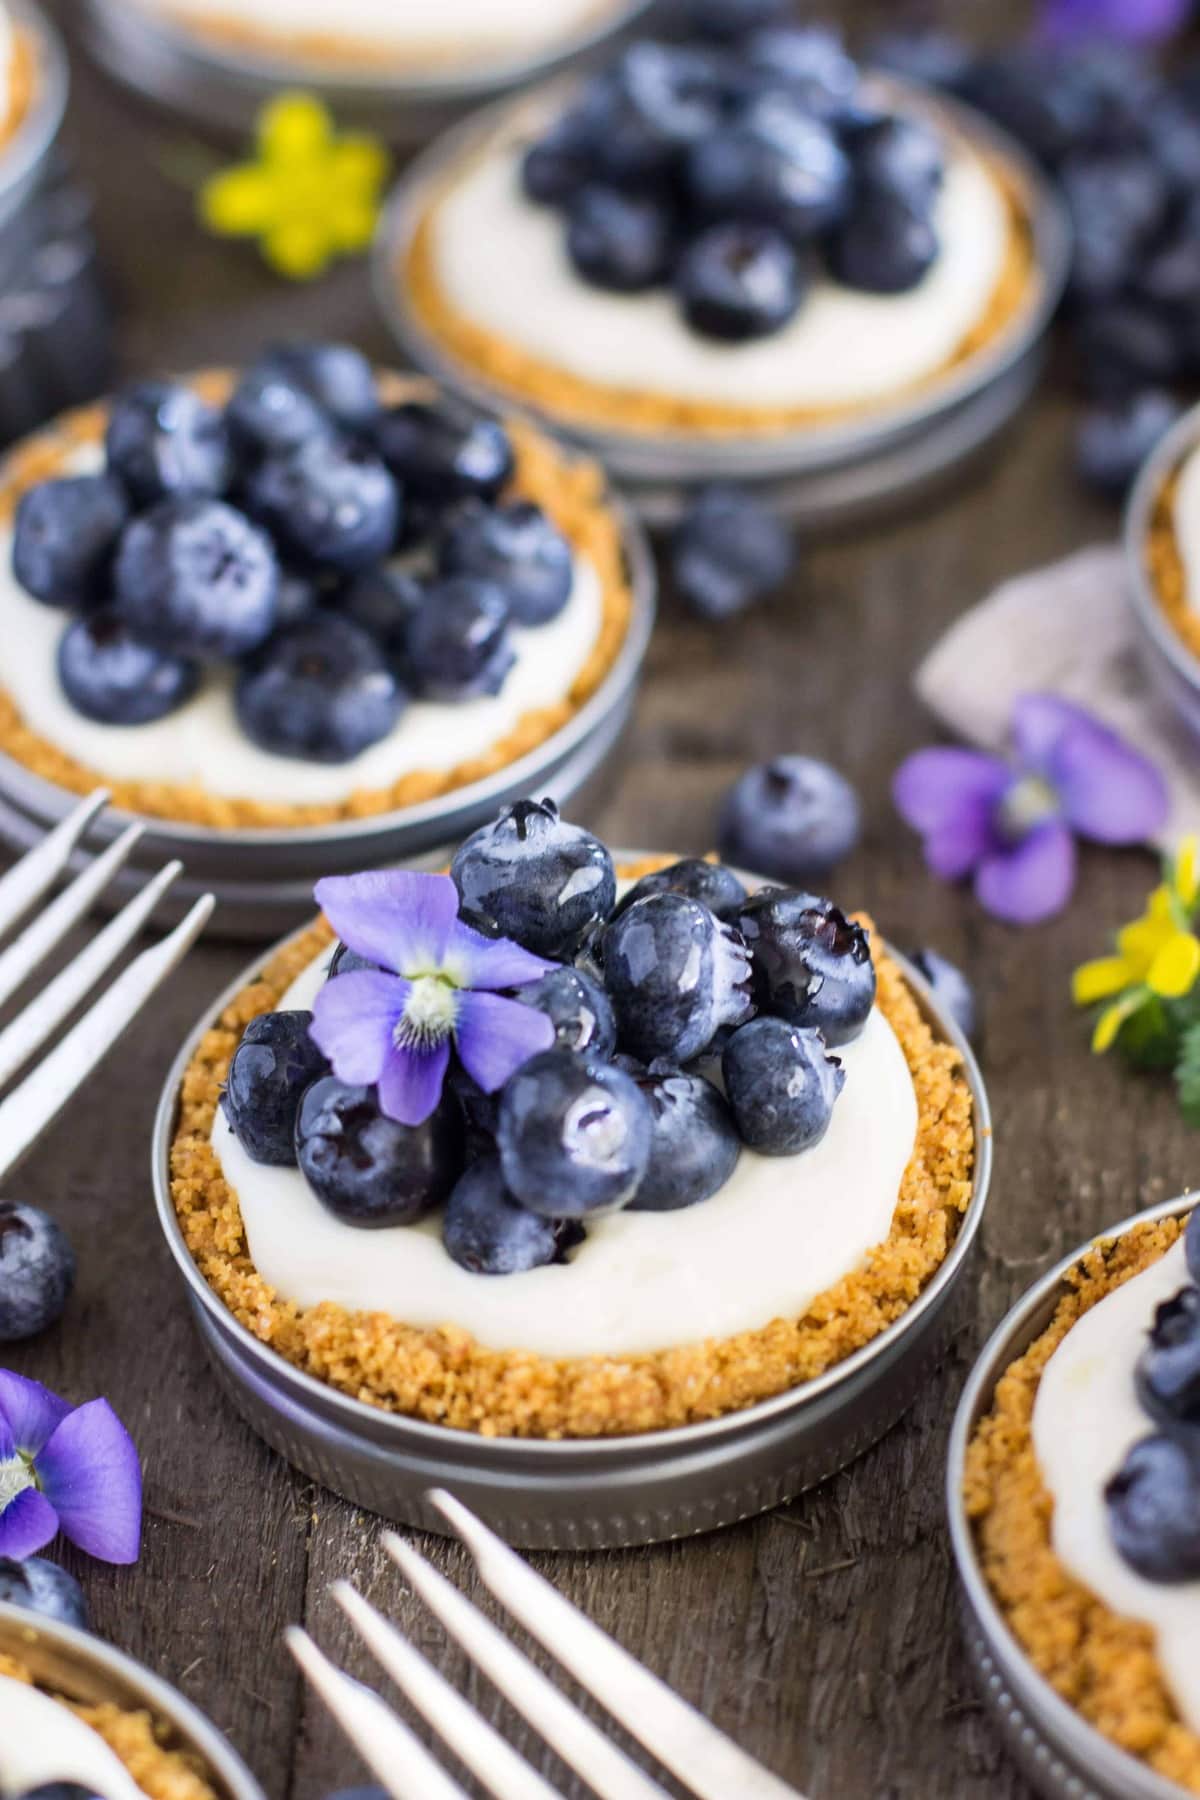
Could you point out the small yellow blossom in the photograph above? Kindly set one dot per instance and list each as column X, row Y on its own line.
column 310, row 196
column 1158, row 955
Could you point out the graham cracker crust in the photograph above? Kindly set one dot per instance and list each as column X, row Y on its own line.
column 22, row 87
column 571, row 489
column 134, row 1740
column 1164, row 565
column 1102, row 1664
column 444, row 1377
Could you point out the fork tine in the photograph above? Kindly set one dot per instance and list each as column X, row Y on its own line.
column 392, row 1752
column 582, row 1746
column 500, row 1768
column 30, row 1108
column 685, row 1742
column 28, row 880
column 35, row 943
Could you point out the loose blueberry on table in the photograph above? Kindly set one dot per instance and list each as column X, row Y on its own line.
column 339, row 556
column 527, row 1049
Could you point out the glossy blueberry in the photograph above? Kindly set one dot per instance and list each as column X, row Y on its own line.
column 65, row 537
column 736, row 282
column 1168, row 1370
column 337, row 377
column 882, row 247
column 480, row 1114
column 535, row 878
column 1114, row 440
column 812, row 965
column 619, row 241
column 37, row 1271
column 728, row 552
column 486, row 1231
column 1125, row 347
column 678, row 91
column 271, row 1067
column 41, row 1587
column 163, row 441
column 675, row 975
column 695, row 1144
column 458, row 643
column 578, row 1008
column 367, row 1169
column 109, row 676
column 810, row 62
column 1038, row 98
column 791, row 818
column 952, row 991
column 925, row 54
column 1192, row 1245
column 440, row 457
column 1154, row 1509
column 1116, row 202
column 196, row 578
column 330, row 504
column 900, row 159
column 384, row 601
column 270, row 414
column 782, row 1085
column 729, row 20
column 560, row 162
column 321, row 691
column 776, row 166
column 714, row 886
column 517, row 547
column 574, row 1136
column 297, row 597
column 631, row 146
column 1170, row 276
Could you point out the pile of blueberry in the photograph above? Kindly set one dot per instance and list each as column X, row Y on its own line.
column 1154, row 1498
column 691, row 1018
column 341, row 555
column 735, row 169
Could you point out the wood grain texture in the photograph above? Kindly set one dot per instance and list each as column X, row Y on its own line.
column 824, row 1637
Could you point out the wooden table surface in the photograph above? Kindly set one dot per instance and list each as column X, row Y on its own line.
column 823, row 1636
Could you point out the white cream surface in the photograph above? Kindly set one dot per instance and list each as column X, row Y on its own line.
column 1187, row 527
column 42, row 1741
column 502, row 263
column 202, row 744
column 1085, row 1420
column 781, row 1231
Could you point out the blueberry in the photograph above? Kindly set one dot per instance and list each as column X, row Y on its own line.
column 574, row 1136
column 728, row 551
column 677, row 91
column 776, row 166
column 791, row 818
column 1154, row 1509
column 164, row 442
column 297, row 597
column 109, row 676
column 812, row 965
column 883, row 247
column 321, row 690
column 517, row 547
column 952, row 991
column 729, row 20
column 1170, row 276
column 675, row 975
column 270, row 414
column 1168, row 1370
column 384, row 601
column 367, row 1169
column 925, row 54
column 810, row 62
column 330, row 504
column 1126, row 346
column 737, row 282
column 440, row 457
column 196, row 578
column 345, row 961
column 65, row 537
column 486, row 1231
column 59, row 1790
column 695, row 1145
column 782, row 1085
column 559, row 163
column 37, row 1271
column 1114, row 440
column 713, row 886
column 1042, row 101
column 1116, row 203
column 900, row 159
column 578, row 1008
column 41, row 1587
column 1192, row 1245
column 534, row 878
column 618, row 241
column 458, row 643
column 271, row 1067
column 337, row 377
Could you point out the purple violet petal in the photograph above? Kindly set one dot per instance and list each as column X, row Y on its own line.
column 31, row 1412
column 27, row 1525
column 1109, row 791
column 411, row 1084
column 90, row 1474
column 354, row 1022
column 960, row 845
column 1127, row 21
column 398, row 917
column 937, row 787
column 495, row 1036
column 476, row 961
column 1031, row 880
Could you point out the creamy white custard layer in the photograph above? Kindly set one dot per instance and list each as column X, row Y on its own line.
column 502, row 264
column 203, row 745
column 42, row 1741
column 781, row 1231
column 1187, row 527
column 1086, row 1418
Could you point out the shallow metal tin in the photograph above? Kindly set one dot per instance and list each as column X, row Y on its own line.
column 85, row 1669
column 1056, row 1748
column 820, row 474
column 1172, row 667
column 225, row 88
column 587, row 1493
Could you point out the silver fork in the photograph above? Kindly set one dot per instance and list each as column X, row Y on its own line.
column 34, row 1105
column 710, row 1764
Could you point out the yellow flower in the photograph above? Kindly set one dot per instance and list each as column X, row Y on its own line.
column 1157, row 955
column 310, row 196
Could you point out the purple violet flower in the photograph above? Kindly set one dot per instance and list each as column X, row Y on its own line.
column 1113, row 21
column 68, row 1469
column 394, row 1029
column 1012, row 826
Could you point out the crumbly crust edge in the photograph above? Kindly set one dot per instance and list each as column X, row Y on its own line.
column 1164, row 567
column 1101, row 1664
column 444, row 1377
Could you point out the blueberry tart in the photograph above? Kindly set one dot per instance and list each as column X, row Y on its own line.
column 549, row 1147
column 297, row 596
